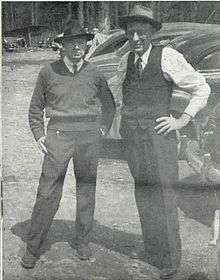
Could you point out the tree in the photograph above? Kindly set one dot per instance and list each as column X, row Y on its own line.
column 80, row 13
column 12, row 15
column 32, row 13
column 104, row 16
column 116, row 12
column 70, row 8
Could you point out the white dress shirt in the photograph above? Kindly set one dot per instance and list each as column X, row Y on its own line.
column 69, row 64
column 175, row 68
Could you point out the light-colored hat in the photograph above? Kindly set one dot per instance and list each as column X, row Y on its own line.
column 140, row 13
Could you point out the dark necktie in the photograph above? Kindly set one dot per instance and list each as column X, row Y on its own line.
column 74, row 69
column 138, row 64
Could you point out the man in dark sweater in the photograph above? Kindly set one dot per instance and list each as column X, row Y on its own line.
column 80, row 108
column 148, row 74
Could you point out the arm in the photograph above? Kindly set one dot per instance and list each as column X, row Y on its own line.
column 108, row 105
column 118, row 79
column 36, row 108
column 176, row 69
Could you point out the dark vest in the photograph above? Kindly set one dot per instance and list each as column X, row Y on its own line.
column 145, row 97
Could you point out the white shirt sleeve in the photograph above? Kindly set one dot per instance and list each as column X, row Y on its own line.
column 175, row 68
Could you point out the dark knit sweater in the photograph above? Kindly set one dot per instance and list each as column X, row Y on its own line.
column 80, row 102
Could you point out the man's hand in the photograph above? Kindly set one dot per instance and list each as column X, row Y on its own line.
column 168, row 124
column 41, row 145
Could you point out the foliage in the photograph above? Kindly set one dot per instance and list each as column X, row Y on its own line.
column 103, row 14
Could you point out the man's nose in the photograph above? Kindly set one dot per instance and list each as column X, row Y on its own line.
column 76, row 46
column 135, row 37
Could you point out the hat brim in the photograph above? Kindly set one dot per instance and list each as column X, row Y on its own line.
column 126, row 19
column 87, row 36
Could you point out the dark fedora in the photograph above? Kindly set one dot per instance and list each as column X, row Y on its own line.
column 140, row 13
column 73, row 30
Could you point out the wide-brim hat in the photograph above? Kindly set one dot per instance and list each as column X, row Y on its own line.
column 73, row 30
column 140, row 13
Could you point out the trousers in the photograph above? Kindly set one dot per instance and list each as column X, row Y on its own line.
column 152, row 160
column 62, row 146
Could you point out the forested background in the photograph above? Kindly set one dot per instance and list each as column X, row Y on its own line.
column 102, row 14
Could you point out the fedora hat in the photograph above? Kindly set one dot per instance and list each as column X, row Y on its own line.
column 73, row 30
column 140, row 13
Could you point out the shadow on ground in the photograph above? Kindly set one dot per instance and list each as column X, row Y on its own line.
column 64, row 231
column 197, row 200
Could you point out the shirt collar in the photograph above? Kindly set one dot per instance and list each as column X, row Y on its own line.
column 145, row 56
column 69, row 64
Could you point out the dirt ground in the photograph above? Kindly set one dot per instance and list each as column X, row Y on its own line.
column 117, row 229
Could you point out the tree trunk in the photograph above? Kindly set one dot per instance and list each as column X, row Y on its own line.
column 12, row 16
column 29, row 37
column 92, row 14
column 69, row 8
column 126, row 8
column 104, row 17
column 87, row 15
column 32, row 13
column 80, row 13
column 116, row 12
column 36, row 12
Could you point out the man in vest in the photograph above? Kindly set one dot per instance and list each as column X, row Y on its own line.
column 147, row 74
column 81, row 109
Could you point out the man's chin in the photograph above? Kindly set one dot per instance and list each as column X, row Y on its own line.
column 139, row 51
column 76, row 57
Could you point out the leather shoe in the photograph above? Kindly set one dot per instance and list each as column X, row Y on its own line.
column 28, row 261
column 168, row 273
column 83, row 252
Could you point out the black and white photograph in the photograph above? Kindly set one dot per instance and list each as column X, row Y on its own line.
column 110, row 140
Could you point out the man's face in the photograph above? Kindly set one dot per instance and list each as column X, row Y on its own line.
column 139, row 35
column 75, row 49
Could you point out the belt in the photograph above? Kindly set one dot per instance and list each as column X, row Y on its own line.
column 55, row 119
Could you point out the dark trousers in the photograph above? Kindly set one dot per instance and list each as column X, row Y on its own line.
column 62, row 146
column 152, row 160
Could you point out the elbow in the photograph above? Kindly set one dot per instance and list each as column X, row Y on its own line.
column 203, row 104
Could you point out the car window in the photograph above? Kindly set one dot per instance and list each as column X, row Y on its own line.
column 211, row 61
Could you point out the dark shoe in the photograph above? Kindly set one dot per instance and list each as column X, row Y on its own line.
column 28, row 261
column 83, row 252
column 168, row 273
column 138, row 255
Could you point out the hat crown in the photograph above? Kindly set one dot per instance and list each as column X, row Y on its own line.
column 73, row 28
column 139, row 10
column 142, row 14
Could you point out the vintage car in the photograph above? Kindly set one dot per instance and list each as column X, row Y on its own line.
column 201, row 47
column 169, row 31
column 9, row 44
